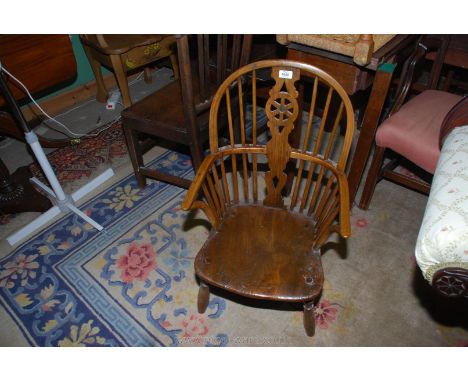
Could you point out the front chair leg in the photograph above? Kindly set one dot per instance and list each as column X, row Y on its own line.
column 309, row 318
column 203, row 297
column 372, row 177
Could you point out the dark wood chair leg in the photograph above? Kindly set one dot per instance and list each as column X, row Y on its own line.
column 203, row 297
column 147, row 75
column 101, row 95
column 121, row 77
column 175, row 65
column 134, row 150
column 197, row 156
column 372, row 177
column 309, row 318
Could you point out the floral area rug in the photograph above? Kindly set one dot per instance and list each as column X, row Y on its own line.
column 78, row 161
column 133, row 284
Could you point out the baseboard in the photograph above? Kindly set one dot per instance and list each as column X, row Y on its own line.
column 68, row 99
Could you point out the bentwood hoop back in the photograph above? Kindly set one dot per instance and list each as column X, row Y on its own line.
column 262, row 244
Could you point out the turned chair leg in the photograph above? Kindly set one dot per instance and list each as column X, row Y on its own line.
column 196, row 153
column 309, row 318
column 121, row 77
column 175, row 65
column 372, row 177
column 101, row 95
column 147, row 75
column 203, row 297
column 136, row 156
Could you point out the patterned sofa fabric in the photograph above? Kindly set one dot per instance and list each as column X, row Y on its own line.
column 443, row 236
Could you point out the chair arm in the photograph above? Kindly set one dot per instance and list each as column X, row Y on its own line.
column 326, row 222
column 344, row 226
column 345, row 220
column 191, row 198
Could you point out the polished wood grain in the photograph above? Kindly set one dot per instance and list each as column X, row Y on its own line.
column 309, row 319
column 203, row 297
column 266, row 263
column 39, row 61
column 263, row 245
column 351, row 77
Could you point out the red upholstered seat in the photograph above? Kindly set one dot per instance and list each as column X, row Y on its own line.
column 413, row 131
column 414, row 128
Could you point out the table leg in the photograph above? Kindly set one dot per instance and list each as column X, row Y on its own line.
column 372, row 114
column 101, row 95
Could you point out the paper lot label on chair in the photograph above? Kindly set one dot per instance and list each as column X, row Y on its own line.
column 288, row 74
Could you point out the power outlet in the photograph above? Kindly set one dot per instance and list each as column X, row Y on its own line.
column 113, row 100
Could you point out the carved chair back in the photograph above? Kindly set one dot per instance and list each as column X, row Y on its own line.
column 251, row 167
column 426, row 45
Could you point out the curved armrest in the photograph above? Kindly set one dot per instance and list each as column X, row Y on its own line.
column 344, row 226
column 191, row 199
column 345, row 220
column 325, row 223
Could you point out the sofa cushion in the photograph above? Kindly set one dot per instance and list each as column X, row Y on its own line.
column 443, row 236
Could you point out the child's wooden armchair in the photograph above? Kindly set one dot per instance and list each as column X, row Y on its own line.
column 263, row 245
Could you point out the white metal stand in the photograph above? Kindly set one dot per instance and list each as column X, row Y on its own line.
column 63, row 203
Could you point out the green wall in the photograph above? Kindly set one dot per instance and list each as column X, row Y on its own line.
column 85, row 73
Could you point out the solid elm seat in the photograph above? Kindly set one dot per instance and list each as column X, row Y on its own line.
column 275, row 247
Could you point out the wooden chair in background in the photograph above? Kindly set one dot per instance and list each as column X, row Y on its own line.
column 450, row 63
column 411, row 130
column 261, row 245
column 179, row 111
column 124, row 53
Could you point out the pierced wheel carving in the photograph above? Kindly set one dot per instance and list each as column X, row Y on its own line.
column 283, row 108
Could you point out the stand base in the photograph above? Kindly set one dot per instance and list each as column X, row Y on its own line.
column 66, row 205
